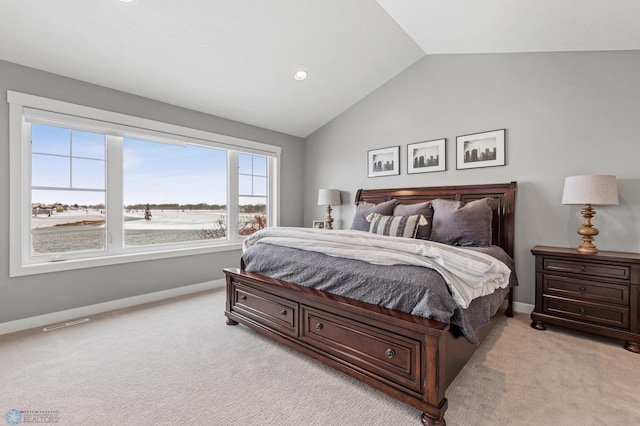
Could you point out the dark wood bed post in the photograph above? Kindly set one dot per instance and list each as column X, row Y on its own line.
column 428, row 420
column 509, row 215
column 229, row 303
column 432, row 376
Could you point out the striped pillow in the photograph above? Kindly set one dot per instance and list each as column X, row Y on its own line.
column 395, row 226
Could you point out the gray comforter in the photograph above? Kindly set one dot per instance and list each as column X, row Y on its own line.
column 413, row 289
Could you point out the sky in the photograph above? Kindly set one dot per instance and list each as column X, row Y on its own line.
column 74, row 164
column 160, row 173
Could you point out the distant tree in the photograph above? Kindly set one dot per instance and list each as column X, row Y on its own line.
column 147, row 213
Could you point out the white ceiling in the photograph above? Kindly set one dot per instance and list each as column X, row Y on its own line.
column 236, row 59
column 492, row 26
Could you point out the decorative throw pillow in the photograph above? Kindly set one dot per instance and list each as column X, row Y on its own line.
column 395, row 226
column 468, row 225
column 364, row 209
column 424, row 209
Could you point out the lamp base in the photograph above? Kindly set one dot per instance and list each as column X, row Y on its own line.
column 586, row 249
column 588, row 232
column 329, row 220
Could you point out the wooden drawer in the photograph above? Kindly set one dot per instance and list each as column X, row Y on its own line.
column 586, row 268
column 272, row 311
column 609, row 315
column 377, row 353
column 587, row 290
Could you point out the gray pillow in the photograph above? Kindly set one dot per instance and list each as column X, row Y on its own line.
column 364, row 209
column 468, row 225
column 424, row 209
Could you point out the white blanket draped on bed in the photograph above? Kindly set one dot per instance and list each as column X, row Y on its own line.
column 469, row 274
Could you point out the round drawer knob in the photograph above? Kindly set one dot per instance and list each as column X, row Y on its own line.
column 583, row 268
column 583, row 289
column 283, row 312
column 390, row 353
column 582, row 310
column 319, row 326
column 243, row 297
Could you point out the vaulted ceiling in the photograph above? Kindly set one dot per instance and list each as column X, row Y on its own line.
column 237, row 59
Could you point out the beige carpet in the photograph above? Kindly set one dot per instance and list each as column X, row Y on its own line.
column 177, row 363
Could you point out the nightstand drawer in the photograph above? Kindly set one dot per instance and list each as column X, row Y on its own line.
column 621, row 272
column 588, row 290
column 613, row 316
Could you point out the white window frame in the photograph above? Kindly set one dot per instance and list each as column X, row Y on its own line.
column 26, row 108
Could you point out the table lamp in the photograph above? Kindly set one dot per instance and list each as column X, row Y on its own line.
column 590, row 190
column 328, row 197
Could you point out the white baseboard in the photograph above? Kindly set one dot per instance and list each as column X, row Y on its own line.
column 62, row 316
column 523, row 308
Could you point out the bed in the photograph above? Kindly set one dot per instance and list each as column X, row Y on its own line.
column 407, row 356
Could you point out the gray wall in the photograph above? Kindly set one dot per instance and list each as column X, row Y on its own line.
column 564, row 114
column 23, row 297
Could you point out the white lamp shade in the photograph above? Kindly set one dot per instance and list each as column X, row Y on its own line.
column 328, row 197
column 590, row 189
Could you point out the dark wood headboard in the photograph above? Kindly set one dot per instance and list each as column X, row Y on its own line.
column 504, row 204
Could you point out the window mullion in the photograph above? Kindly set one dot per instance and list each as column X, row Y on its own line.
column 114, row 201
column 233, row 191
column 273, row 191
column 26, row 192
column 70, row 158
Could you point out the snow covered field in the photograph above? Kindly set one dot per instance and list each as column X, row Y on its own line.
column 172, row 219
column 160, row 219
column 64, row 218
column 84, row 230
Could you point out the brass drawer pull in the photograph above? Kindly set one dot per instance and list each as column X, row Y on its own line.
column 319, row 326
column 390, row 353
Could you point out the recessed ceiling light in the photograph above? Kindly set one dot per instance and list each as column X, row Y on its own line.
column 127, row 1
column 301, row 75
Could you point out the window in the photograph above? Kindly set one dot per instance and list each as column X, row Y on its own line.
column 173, row 194
column 91, row 187
column 252, row 197
column 67, row 179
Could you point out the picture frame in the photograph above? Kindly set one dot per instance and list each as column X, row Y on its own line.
column 384, row 161
column 318, row 224
column 429, row 156
column 486, row 149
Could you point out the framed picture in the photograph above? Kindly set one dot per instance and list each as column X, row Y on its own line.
column 318, row 224
column 480, row 150
column 430, row 156
column 384, row 161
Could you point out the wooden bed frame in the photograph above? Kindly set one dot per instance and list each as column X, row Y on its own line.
column 410, row 358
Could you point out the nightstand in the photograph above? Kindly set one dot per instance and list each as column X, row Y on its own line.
column 595, row 293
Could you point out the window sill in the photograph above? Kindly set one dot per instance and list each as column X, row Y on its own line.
column 72, row 264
